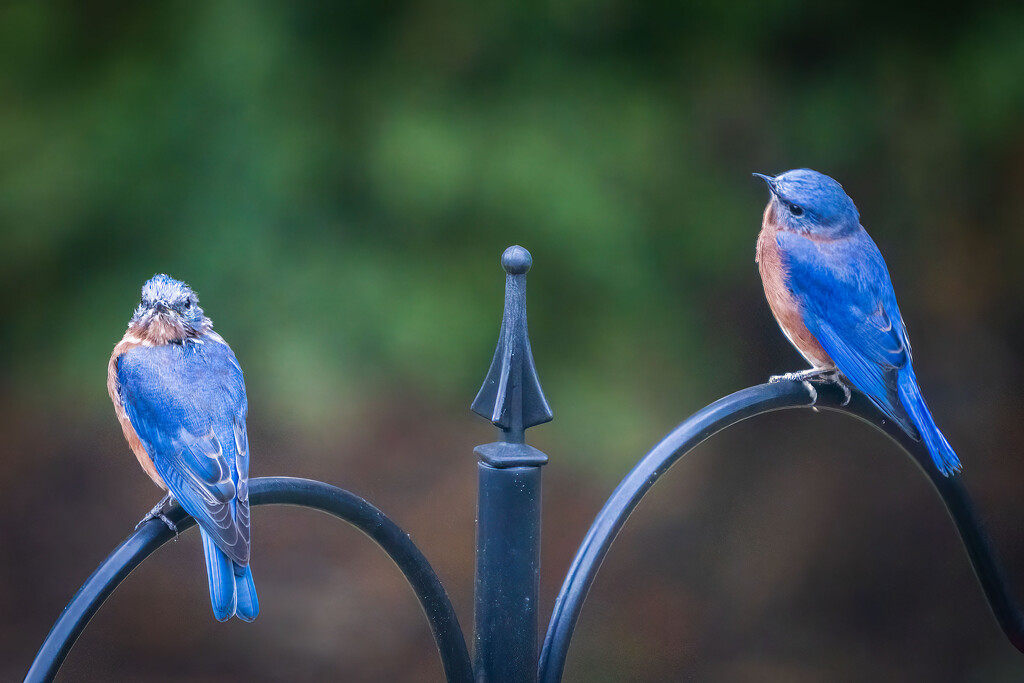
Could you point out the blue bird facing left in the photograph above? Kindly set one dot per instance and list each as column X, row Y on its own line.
column 830, row 291
column 178, row 393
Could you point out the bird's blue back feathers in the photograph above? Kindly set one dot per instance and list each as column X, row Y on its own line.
column 187, row 403
column 848, row 305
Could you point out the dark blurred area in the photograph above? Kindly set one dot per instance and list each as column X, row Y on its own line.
column 338, row 180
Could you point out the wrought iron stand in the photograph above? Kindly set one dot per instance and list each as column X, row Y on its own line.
column 509, row 520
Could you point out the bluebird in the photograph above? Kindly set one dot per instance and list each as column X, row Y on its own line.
column 830, row 292
column 179, row 396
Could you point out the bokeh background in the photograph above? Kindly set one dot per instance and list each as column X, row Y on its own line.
column 338, row 181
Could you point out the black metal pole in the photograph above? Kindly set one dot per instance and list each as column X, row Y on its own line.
column 507, row 566
column 509, row 503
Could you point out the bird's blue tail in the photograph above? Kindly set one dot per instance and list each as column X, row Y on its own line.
column 232, row 591
column 911, row 398
column 248, row 606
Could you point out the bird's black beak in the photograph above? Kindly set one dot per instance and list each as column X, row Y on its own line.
column 161, row 307
column 770, row 180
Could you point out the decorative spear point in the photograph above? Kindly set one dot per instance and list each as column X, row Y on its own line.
column 511, row 396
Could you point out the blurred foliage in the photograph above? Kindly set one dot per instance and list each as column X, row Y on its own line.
column 338, row 180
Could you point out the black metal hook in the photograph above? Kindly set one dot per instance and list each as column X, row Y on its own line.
column 316, row 495
column 724, row 413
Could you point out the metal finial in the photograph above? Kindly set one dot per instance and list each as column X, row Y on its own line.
column 511, row 396
column 516, row 260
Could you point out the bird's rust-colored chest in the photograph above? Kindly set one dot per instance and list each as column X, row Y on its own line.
column 113, row 389
column 780, row 299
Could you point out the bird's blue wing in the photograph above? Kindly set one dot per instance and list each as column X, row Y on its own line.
column 187, row 403
column 848, row 304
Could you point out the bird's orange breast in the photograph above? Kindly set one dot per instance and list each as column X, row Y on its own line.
column 780, row 299
column 126, row 344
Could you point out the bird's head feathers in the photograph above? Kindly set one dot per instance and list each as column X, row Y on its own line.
column 811, row 203
column 168, row 312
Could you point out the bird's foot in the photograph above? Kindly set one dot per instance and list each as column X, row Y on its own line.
column 811, row 375
column 818, row 376
column 837, row 379
column 158, row 512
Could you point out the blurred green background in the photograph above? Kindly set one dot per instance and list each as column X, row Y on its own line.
column 338, row 181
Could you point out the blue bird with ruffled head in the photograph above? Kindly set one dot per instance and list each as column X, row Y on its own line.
column 178, row 393
column 830, row 291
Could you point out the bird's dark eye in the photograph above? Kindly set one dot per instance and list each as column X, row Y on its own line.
column 796, row 210
column 188, row 304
